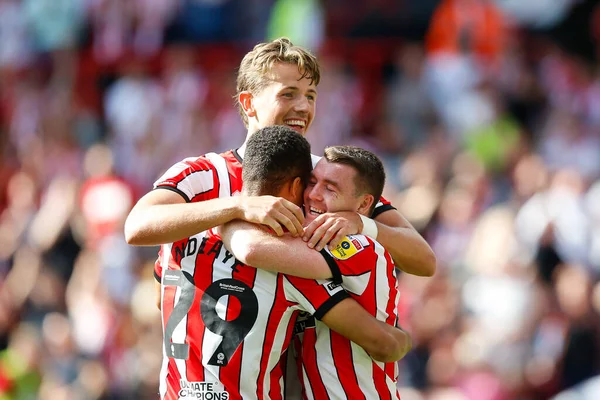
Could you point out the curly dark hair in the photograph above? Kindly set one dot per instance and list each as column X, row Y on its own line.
column 275, row 155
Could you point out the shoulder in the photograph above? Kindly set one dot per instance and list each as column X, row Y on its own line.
column 205, row 162
column 192, row 169
column 202, row 162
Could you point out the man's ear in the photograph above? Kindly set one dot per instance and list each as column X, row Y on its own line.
column 297, row 188
column 247, row 101
column 365, row 204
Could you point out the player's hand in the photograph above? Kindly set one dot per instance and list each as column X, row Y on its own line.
column 331, row 228
column 274, row 212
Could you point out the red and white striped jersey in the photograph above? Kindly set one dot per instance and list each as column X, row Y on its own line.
column 210, row 176
column 227, row 326
column 213, row 176
column 198, row 179
column 329, row 365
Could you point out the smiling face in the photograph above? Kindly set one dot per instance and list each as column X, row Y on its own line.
column 332, row 188
column 287, row 99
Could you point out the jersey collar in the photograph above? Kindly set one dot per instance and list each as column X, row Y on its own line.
column 238, row 156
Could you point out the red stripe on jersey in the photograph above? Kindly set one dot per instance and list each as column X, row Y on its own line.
column 310, row 365
column 344, row 366
column 379, row 380
column 276, row 375
column 392, row 305
column 391, row 370
column 194, row 374
column 384, row 201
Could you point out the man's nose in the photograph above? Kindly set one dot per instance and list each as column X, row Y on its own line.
column 314, row 193
column 302, row 104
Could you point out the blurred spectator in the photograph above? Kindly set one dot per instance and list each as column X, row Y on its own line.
column 16, row 51
column 407, row 104
column 536, row 13
column 20, row 374
column 340, row 97
column 55, row 24
column 203, row 21
column 557, row 216
column 132, row 105
column 184, row 89
column 118, row 27
column 300, row 20
column 568, row 143
column 474, row 27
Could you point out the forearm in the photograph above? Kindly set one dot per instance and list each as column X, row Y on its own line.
column 165, row 223
column 381, row 341
column 260, row 249
column 409, row 250
column 411, row 253
column 392, row 344
column 402, row 347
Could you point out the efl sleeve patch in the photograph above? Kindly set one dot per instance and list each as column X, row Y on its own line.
column 349, row 247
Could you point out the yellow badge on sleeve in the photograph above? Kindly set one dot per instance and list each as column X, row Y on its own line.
column 347, row 248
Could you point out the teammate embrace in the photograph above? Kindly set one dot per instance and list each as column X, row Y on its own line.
column 228, row 325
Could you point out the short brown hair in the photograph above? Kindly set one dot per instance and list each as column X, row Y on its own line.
column 258, row 62
column 370, row 174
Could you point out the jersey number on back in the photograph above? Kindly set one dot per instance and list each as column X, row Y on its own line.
column 233, row 332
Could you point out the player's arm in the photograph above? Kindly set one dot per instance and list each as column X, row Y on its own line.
column 410, row 251
column 408, row 248
column 383, row 342
column 254, row 246
column 332, row 305
column 164, row 216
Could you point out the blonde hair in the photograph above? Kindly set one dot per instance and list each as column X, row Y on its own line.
column 257, row 64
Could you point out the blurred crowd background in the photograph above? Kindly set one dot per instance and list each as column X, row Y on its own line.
column 486, row 113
